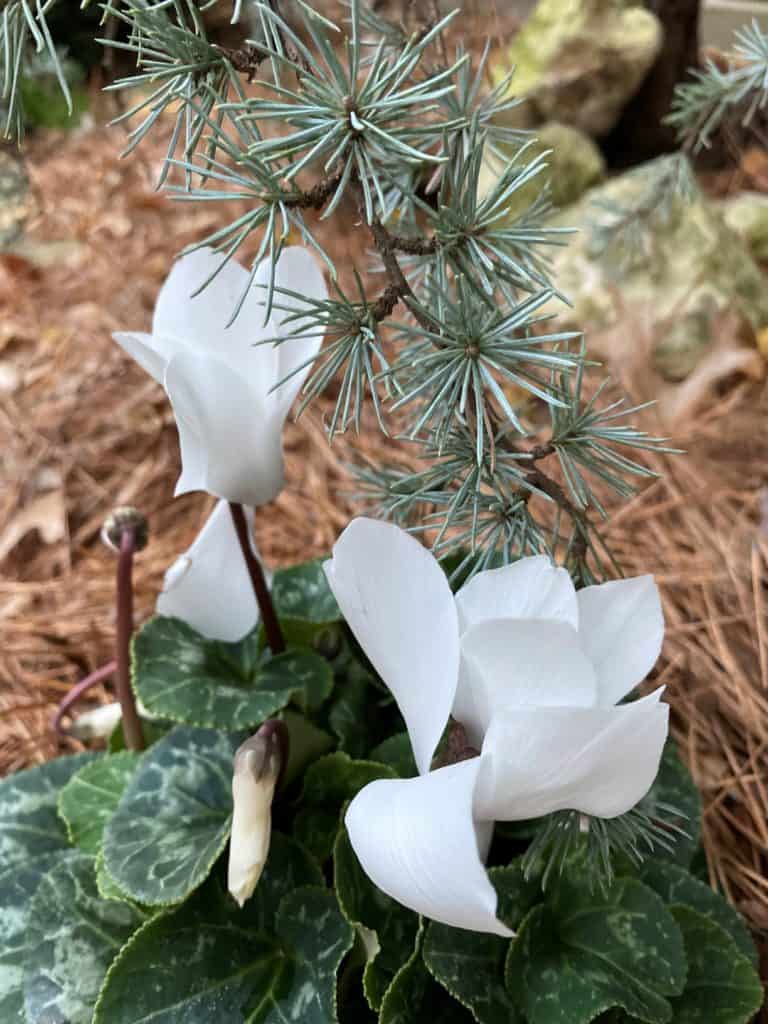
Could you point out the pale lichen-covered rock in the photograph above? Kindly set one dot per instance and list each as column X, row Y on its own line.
column 679, row 274
column 574, row 163
column 580, row 61
column 747, row 214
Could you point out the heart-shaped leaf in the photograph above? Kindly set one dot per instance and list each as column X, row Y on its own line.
column 723, row 986
column 302, row 592
column 32, row 839
column 393, row 926
column 179, row 674
column 676, row 885
column 174, row 817
column 73, row 936
column 587, row 952
column 471, row 967
column 206, row 962
column 91, row 796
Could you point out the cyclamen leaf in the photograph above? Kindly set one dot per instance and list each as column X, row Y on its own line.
column 207, row 963
column 302, row 592
column 91, row 796
column 516, row 893
column 17, row 887
column 107, row 887
column 592, row 951
column 336, row 778
column 414, row 996
column 471, row 967
column 396, row 751
column 363, row 904
column 32, row 839
column 674, row 787
column 723, row 987
column 676, row 885
column 178, row 674
column 174, row 817
column 316, row 828
column 289, row 866
column 29, row 822
column 73, row 937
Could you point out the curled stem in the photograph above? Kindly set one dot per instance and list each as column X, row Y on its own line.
column 275, row 637
column 134, row 735
column 77, row 692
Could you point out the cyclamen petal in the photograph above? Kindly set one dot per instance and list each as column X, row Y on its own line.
column 396, row 600
column 222, row 376
column 600, row 761
column 511, row 663
column 238, row 452
column 417, row 841
column 621, row 625
column 208, row 587
column 531, row 588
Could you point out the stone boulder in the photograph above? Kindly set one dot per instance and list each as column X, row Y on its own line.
column 580, row 61
column 747, row 214
column 574, row 163
column 677, row 267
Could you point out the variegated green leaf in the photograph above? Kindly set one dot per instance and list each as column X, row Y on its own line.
column 302, row 592
column 414, row 996
column 206, row 962
column 73, row 937
column 676, row 885
column 174, row 817
column 396, row 751
column 391, row 927
column 723, row 986
column 591, row 951
column 336, row 778
column 289, row 866
column 32, row 839
column 471, row 967
column 180, row 675
column 674, row 787
column 89, row 799
column 29, row 823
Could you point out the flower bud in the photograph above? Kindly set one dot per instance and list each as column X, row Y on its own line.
column 257, row 767
column 98, row 723
column 122, row 519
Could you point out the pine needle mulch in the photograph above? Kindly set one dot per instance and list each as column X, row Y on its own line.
column 82, row 430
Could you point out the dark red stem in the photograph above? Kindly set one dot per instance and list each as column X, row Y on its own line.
column 77, row 692
column 261, row 590
column 134, row 735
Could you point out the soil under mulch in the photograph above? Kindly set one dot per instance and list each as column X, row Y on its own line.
column 82, row 430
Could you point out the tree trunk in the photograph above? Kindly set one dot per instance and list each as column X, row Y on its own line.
column 640, row 133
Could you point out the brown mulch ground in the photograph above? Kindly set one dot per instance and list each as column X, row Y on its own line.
column 82, row 430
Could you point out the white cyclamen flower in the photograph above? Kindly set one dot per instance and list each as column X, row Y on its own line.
column 219, row 378
column 533, row 669
column 208, row 586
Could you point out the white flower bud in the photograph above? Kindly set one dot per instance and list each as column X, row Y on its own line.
column 257, row 767
column 98, row 723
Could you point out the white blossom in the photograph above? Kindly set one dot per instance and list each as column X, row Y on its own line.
column 208, row 586
column 219, row 379
column 533, row 670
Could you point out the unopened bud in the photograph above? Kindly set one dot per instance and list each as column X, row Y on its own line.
column 101, row 722
column 122, row 519
column 98, row 723
column 257, row 767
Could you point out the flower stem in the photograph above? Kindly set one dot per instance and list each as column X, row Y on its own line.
column 134, row 735
column 275, row 637
column 78, row 690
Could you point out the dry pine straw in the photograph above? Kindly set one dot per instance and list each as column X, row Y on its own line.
column 82, row 429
